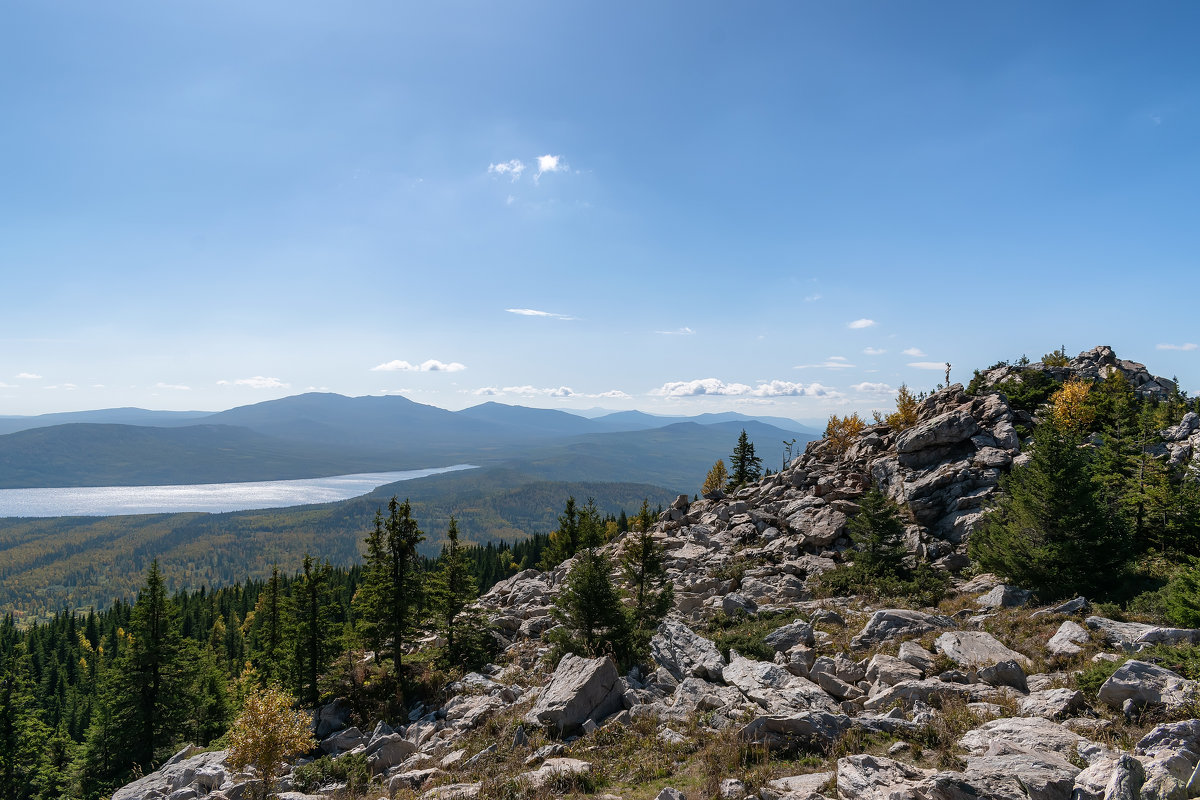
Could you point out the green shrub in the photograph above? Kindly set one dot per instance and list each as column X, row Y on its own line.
column 350, row 769
column 1091, row 678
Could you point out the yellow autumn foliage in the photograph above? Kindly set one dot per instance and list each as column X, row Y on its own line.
column 1070, row 410
column 905, row 415
column 840, row 431
column 267, row 733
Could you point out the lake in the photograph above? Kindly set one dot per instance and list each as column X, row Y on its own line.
column 107, row 501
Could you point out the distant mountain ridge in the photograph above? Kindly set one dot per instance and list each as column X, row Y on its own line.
column 321, row 434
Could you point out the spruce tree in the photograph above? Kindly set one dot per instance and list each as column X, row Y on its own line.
column 590, row 610
column 745, row 466
column 1049, row 532
column 878, row 536
column 312, row 629
column 391, row 591
column 564, row 541
column 651, row 594
column 451, row 591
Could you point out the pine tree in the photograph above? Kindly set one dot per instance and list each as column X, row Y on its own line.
column 270, row 618
column 564, row 541
column 312, row 629
column 391, row 592
column 152, row 675
column 878, row 535
column 452, row 590
column 642, row 564
column 745, row 466
column 22, row 733
column 590, row 610
column 1049, row 531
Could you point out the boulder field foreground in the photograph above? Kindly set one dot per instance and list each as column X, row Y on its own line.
column 986, row 696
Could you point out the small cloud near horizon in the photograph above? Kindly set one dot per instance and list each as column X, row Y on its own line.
column 533, row 312
column 432, row 365
column 27, row 376
column 715, row 387
column 178, row 387
column 915, row 352
column 257, row 382
column 873, row 388
column 859, row 324
column 560, row 392
column 1185, row 346
column 832, row 362
column 939, row 365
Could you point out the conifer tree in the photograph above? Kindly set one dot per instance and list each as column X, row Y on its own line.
column 878, row 535
column 452, row 589
column 651, row 594
column 716, row 478
column 21, row 732
column 590, row 610
column 745, row 466
column 564, row 541
column 1048, row 531
column 312, row 629
column 391, row 592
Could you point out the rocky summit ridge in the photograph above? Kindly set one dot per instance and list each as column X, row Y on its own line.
column 990, row 682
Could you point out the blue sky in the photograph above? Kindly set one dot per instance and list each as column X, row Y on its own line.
column 783, row 208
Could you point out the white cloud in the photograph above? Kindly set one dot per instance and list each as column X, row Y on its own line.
column 560, row 392
column 874, row 351
column 928, row 364
column 533, row 312
column 915, row 352
column 27, row 376
column 833, row 362
column 257, row 382
column 432, row 365
column 873, row 388
column 4, row 385
column 318, row 389
column 615, row 394
column 549, row 163
column 513, row 168
column 718, row 388
column 858, row 324
column 685, row 331
column 179, row 387
column 1185, row 346
column 812, row 298
column 69, row 387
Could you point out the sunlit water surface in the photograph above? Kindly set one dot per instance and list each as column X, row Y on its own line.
column 106, row 501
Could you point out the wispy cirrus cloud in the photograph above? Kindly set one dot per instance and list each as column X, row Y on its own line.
column 175, row 387
column 68, row 387
column 715, row 387
column 257, row 382
column 27, row 376
column 859, row 324
column 927, row 364
column 1184, row 346
column 684, row 331
column 533, row 312
column 812, row 298
column 915, row 352
column 432, row 365
column 514, row 168
column 4, row 385
column 874, row 351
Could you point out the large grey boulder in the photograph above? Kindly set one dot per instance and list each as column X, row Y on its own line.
column 331, row 717
column 1068, row 640
column 976, row 649
column 1146, row 684
column 1005, row 596
column 1052, row 703
column 1116, row 778
column 1005, row 776
column 794, row 633
column 949, row 428
column 775, row 689
column 1029, row 734
column 894, row 623
column 343, row 740
column 868, row 777
column 386, row 751
column 814, row 729
column 684, row 653
column 178, row 776
column 580, row 689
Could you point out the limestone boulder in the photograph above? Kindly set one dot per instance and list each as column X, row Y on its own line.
column 976, row 649
column 895, row 623
column 580, row 689
column 684, row 653
column 1146, row 684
